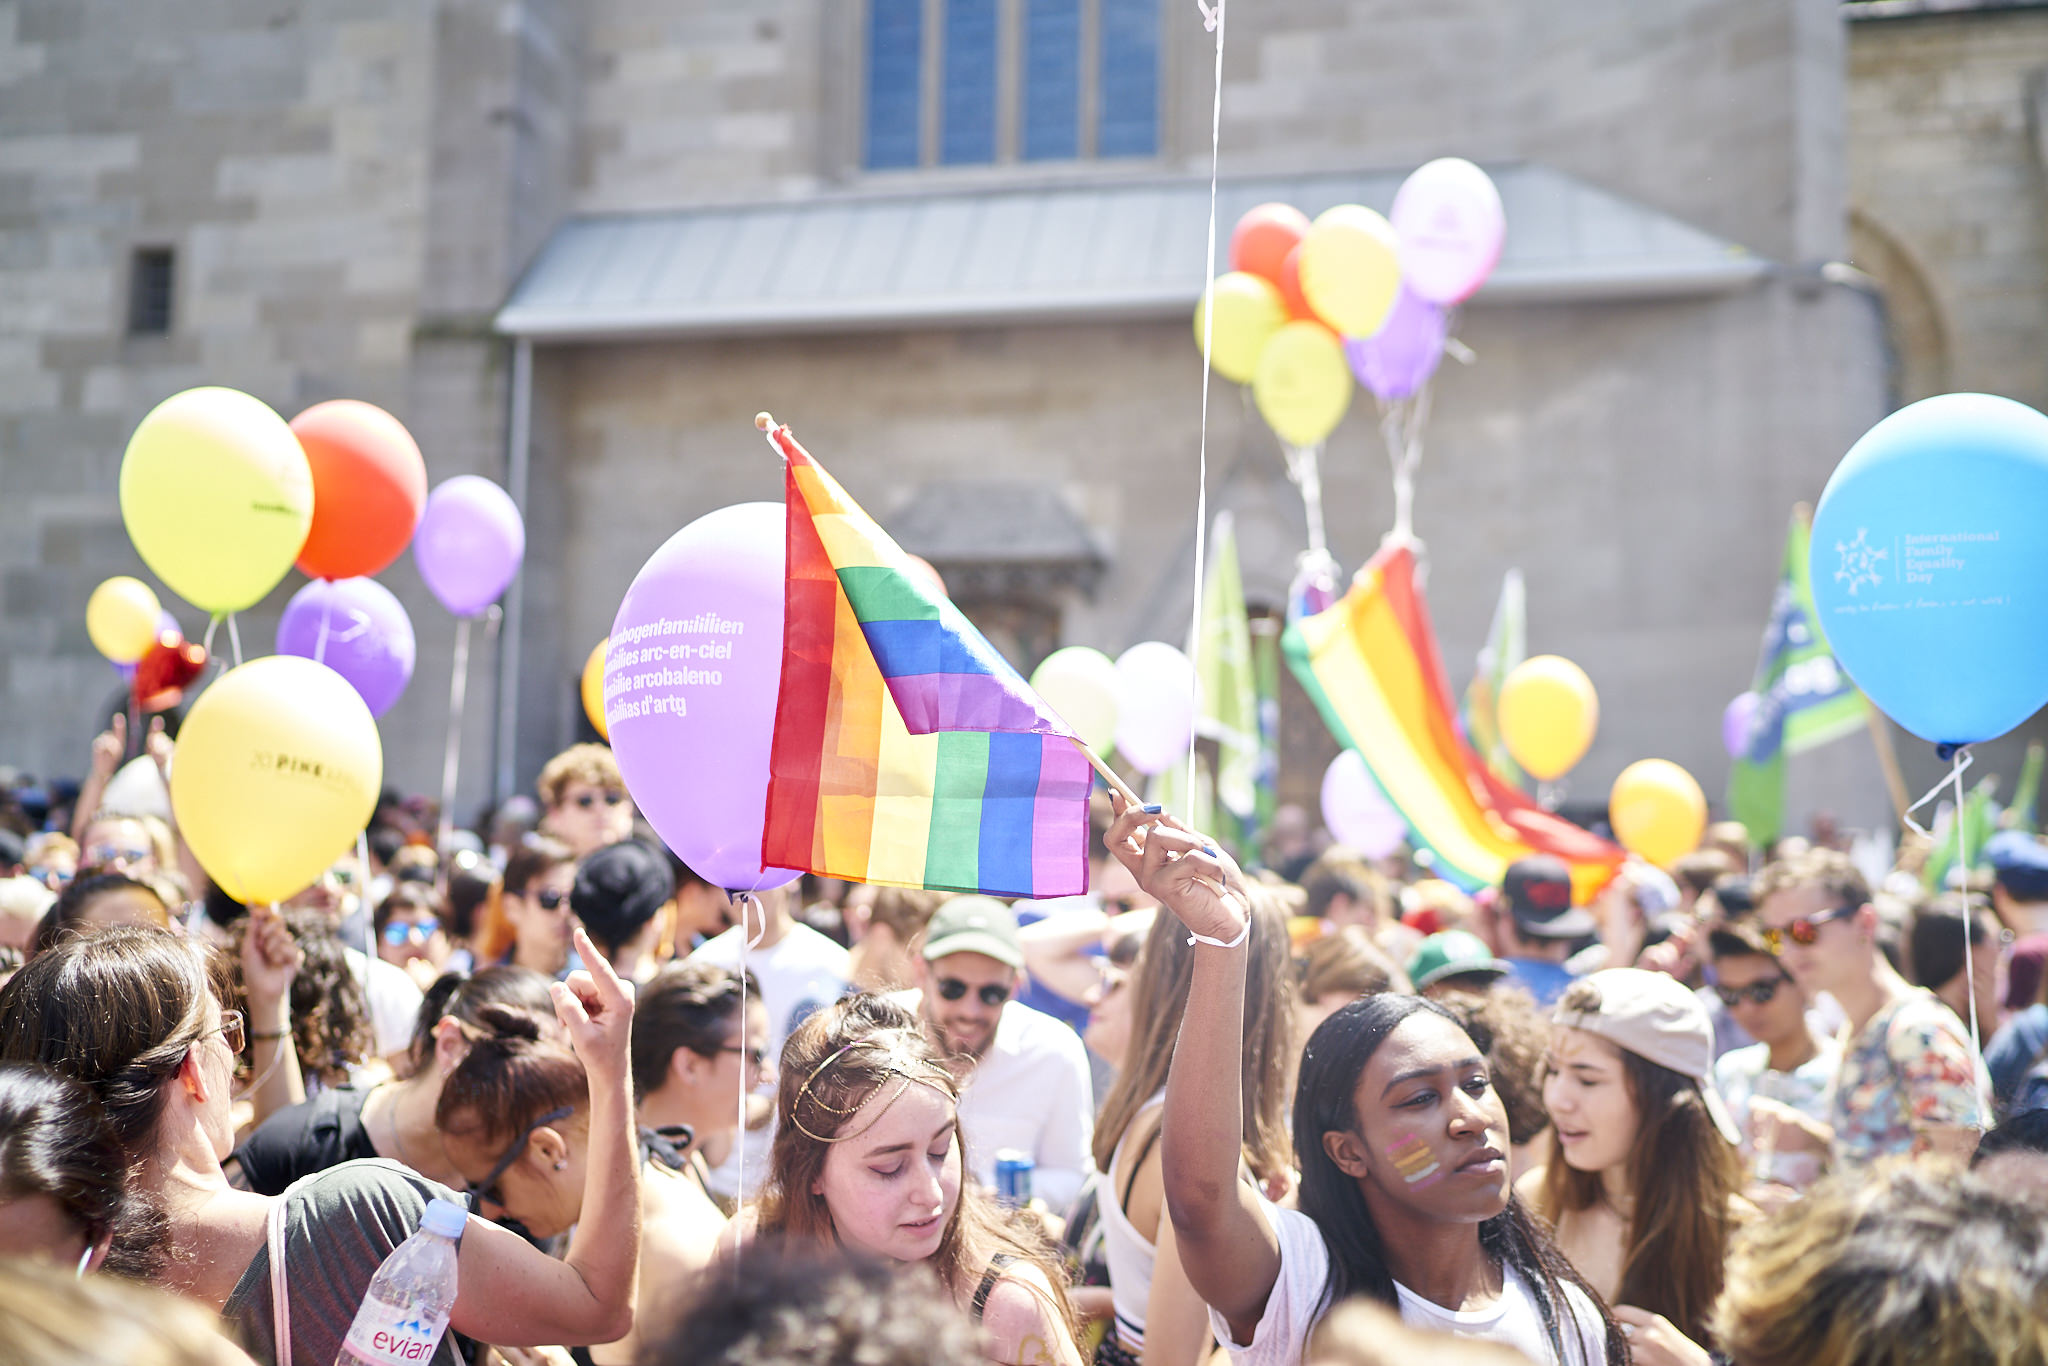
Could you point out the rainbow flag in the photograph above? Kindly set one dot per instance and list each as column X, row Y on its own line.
column 1371, row 666
column 907, row 752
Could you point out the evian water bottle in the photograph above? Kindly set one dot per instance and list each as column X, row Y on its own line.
column 406, row 1309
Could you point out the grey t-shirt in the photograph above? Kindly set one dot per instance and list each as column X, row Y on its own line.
column 340, row 1225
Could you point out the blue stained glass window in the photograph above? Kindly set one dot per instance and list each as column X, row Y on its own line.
column 1052, row 81
column 967, row 89
column 895, row 77
column 1129, row 119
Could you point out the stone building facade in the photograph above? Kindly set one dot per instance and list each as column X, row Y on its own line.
column 353, row 191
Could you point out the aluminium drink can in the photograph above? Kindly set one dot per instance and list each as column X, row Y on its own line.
column 1013, row 1177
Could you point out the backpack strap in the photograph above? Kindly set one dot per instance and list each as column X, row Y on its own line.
column 280, row 1298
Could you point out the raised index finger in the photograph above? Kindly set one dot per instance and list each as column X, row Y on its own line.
column 607, row 981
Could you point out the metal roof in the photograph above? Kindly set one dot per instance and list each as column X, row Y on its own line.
column 1089, row 250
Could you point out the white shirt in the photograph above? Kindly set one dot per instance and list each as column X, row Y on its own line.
column 394, row 1000
column 1031, row 1091
column 802, row 974
column 1282, row 1334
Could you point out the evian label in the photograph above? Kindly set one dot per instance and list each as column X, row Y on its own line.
column 393, row 1335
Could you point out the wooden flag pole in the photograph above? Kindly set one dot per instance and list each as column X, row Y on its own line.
column 1109, row 775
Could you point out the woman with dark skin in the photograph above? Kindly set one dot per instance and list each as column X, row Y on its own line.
column 1401, row 1141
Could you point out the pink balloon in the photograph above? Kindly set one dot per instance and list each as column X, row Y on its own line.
column 1356, row 812
column 1449, row 220
column 693, row 669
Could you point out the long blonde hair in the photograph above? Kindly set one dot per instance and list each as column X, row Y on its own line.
column 839, row 1061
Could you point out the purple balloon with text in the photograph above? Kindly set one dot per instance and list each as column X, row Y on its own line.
column 356, row 628
column 1396, row 361
column 693, row 669
column 469, row 543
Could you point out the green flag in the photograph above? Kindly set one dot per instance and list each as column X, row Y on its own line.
column 2024, row 813
column 1976, row 823
column 1804, row 698
column 1229, row 712
column 1507, row 645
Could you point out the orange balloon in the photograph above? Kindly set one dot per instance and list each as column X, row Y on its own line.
column 1290, row 288
column 369, row 488
column 1264, row 236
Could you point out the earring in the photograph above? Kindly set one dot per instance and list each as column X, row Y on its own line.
column 561, row 1166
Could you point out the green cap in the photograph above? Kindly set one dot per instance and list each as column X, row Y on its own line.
column 974, row 924
column 1453, row 953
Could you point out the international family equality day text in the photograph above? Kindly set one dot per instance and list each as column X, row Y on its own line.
column 642, row 662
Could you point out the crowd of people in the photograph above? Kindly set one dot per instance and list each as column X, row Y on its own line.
column 1304, row 1108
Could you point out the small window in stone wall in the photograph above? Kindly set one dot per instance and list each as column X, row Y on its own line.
column 150, row 279
column 990, row 82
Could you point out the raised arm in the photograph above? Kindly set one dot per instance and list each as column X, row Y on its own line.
column 518, row 1296
column 1227, row 1247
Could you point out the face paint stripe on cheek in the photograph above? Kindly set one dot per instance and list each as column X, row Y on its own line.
column 1416, row 1163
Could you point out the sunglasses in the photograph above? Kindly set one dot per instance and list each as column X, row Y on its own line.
column 230, row 1029
column 1805, row 933
column 586, row 800
column 756, row 1056
column 402, row 932
column 1757, row 993
column 550, row 900
column 992, row 994
column 115, row 853
column 487, row 1189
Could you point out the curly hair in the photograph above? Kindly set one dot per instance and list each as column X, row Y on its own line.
column 330, row 1012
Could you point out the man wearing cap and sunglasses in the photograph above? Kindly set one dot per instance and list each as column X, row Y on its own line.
column 1909, row 1080
column 1024, row 1075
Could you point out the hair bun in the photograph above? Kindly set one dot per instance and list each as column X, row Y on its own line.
column 507, row 1023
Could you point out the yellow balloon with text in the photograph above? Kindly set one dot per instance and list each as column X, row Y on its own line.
column 217, row 496
column 1658, row 811
column 593, row 688
column 122, row 617
column 277, row 772
column 1351, row 269
column 1548, row 715
column 1248, row 311
column 1303, row 387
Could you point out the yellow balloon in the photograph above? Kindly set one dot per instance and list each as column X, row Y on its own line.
column 217, row 496
column 1548, row 713
column 1303, row 386
column 1249, row 311
column 122, row 617
column 1658, row 811
column 1080, row 685
column 1351, row 269
column 593, row 688
column 278, row 769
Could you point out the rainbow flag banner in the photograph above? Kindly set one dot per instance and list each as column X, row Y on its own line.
column 1370, row 664
column 907, row 751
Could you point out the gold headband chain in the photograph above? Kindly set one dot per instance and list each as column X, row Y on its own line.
column 894, row 1064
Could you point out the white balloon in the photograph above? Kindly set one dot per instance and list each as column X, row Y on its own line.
column 1356, row 812
column 137, row 789
column 1155, row 705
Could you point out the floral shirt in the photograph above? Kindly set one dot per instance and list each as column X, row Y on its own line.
column 1910, row 1068
column 1745, row 1073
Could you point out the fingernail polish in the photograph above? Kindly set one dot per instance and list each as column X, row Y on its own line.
column 1154, row 809
column 1210, row 850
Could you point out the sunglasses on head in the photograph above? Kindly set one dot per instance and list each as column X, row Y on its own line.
column 586, row 800
column 401, row 932
column 992, row 994
column 1804, row 932
column 1757, row 993
column 487, row 1189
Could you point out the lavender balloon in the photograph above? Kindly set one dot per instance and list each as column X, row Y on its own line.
column 356, row 628
column 1398, row 359
column 693, row 669
column 469, row 543
column 1737, row 721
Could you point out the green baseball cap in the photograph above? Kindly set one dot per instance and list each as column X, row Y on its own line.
column 974, row 924
column 1452, row 953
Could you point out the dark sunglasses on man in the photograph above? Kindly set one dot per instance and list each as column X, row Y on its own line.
column 1804, row 932
column 586, row 800
column 992, row 994
column 1756, row 993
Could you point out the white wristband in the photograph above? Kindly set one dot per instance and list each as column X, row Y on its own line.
column 1242, row 935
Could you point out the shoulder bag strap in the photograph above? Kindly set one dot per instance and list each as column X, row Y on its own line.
column 280, row 1299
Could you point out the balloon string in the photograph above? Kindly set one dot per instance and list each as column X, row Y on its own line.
column 1960, row 759
column 320, row 641
column 1213, row 19
column 206, row 643
column 451, row 761
column 1304, row 467
column 235, row 640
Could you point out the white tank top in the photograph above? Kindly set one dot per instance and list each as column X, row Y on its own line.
column 1129, row 1255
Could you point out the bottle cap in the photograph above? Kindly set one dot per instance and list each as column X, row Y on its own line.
column 445, row 1217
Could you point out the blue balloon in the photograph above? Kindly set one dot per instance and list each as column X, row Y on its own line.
column 1930, row 566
